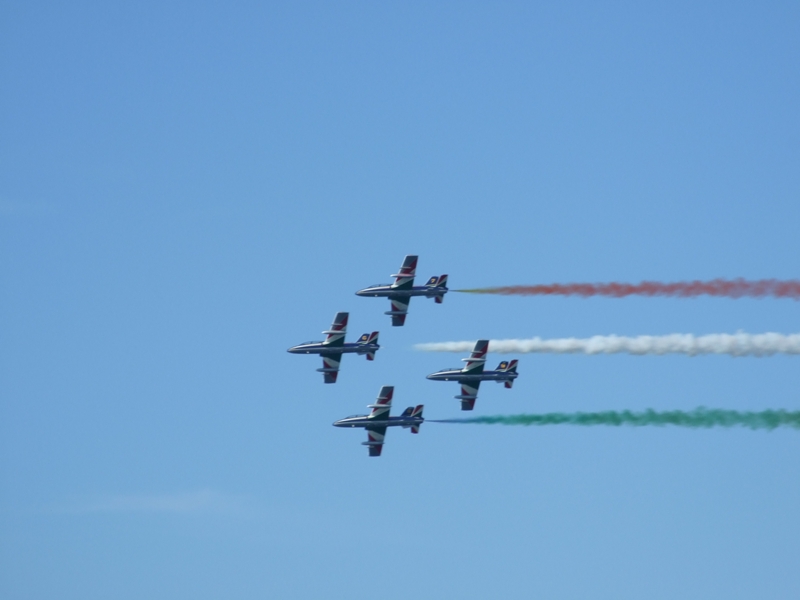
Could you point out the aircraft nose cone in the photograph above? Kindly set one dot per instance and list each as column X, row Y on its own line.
column 360, row 292
column 293, row 350
column 337, row 424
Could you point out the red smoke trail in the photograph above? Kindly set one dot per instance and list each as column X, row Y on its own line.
column 728, row 288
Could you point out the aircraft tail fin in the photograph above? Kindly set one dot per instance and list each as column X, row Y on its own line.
column 512, row 368
column 508, row 367
column 437, row 282
column 467, row 403
column 369, row 338
column 440, row 281
column 416, row 411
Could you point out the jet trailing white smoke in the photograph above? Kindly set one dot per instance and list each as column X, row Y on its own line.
column 739, row 344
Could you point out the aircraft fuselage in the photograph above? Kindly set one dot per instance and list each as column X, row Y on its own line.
column 387, row 291
column 365, row 421
column 346, row 348
column 459, row 375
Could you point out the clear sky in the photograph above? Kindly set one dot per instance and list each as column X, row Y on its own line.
column 188, row 189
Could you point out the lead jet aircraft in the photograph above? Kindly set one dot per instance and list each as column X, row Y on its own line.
column 378, row 420
column 472, row 374
column 334, row 346
column 401, row 291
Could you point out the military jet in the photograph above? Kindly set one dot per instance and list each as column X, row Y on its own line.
column 472, row 374
column 334, row 346
column 401, row 291
column 378, row 420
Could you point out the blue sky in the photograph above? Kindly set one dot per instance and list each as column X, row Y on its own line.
column 186, row 191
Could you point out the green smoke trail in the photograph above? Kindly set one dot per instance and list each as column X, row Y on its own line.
column 697, row 418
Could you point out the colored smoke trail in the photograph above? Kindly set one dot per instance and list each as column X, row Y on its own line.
column 697, row 418
column 739, row 344
column 728, row 288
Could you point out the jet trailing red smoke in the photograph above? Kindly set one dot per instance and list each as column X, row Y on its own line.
column 727, row 288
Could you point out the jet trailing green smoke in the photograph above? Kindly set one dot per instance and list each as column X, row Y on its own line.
column 697, row 418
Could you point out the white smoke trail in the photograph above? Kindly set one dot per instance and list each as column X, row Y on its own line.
column 739, row 344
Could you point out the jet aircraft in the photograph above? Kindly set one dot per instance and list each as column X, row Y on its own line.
column 378, row 420
column 401, row 291
column 472, row 374
column 334, row 346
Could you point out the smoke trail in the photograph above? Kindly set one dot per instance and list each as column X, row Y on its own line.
column 728, row 288
column 739, row 344
column 697, row 418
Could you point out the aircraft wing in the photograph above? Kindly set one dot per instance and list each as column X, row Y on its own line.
column 469, row 393
column 404, row 279
column 330, row 365
column 380, row 412
column 399, row 310
column 375, row 437
column 335, row 335
column 477, row 358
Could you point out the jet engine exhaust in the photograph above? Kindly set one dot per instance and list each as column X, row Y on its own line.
column 699, row 418
column 738, row 344
column 726, row 288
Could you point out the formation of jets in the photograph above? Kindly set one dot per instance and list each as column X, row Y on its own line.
column 400, row 293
